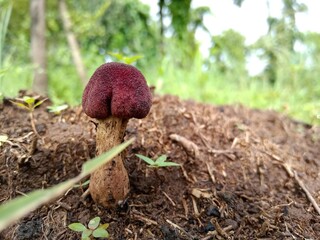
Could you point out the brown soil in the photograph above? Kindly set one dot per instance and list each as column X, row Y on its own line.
column 237, row 181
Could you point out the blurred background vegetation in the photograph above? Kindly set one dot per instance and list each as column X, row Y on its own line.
column 105, row 30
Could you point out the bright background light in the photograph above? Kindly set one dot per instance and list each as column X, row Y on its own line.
column 250, row 20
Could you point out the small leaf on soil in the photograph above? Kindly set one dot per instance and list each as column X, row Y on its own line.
column 161, row 159
column 21, row 105
column 94, row 223
column 169, row 164
column 29, row 100
column 78, row 227
column 146, row 159
column 100, row 233
column 86, row 233
column 104, row 226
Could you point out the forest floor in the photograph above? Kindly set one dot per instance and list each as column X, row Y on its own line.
column 245, row 173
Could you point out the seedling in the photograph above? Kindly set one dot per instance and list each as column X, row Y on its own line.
column 159, row 162
column 29, row 104
column 93, row 231
column 57, row 109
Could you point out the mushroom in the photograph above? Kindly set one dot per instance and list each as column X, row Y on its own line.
column 115, row 93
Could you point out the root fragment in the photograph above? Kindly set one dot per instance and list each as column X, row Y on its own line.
column 189, row 146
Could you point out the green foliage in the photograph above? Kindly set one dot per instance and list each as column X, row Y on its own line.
column 289, row 83
column 131, row 34
column 57, row 109
column 180, row 16
column 94, row 229
column 5, row 13
column 228, row 52
column 17, row 208
column 28, row 103
column 159, row 162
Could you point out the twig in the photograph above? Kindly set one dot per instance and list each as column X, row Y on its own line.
column 294, row 174
column 141, row 218
column 288, row 169
column 218, row 151
column 195, row 207
column 213, row 179
column 185, row 206
column 64, row 205
column 219, row 229
column 167, row 196
column 85, row 194
column 214, row 233
column 180, row 228
column 234, row 143
column 185, row 174
column 309, row 196
column 21, row 193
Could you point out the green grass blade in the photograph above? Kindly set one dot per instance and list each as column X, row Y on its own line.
column 161, row 159
column 97, row 162
column 169, row 164
column 146, row 159
column 20, row 105
column 39, row 103
column 21, row 206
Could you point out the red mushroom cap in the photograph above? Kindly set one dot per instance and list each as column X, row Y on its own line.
column 119, row 90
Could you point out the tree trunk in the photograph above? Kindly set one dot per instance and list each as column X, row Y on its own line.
column 38, row 46
column 72, row 41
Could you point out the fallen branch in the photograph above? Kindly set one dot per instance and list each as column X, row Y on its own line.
column 309, row 196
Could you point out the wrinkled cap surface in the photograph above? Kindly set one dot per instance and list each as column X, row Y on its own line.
column 119, row 90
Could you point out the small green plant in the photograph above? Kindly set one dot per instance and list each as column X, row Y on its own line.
column 57, row 109
column 29, row 104
column 13, row 210
column 159, row 162
column 94, row 229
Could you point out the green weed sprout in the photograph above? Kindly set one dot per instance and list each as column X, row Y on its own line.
column 57, row 109
column 29, row 104
column 159, row 162
column 94, row 229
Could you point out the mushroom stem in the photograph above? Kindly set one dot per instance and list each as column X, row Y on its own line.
column 109, row 185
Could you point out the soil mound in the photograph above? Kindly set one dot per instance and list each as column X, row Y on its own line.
column 246, row 174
